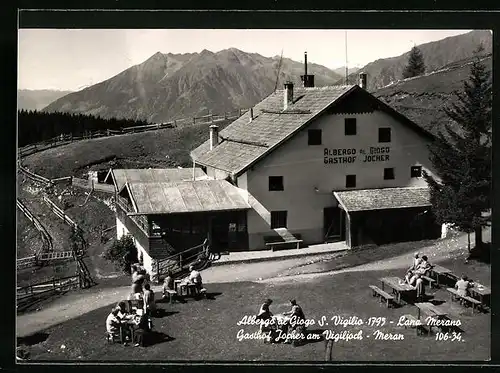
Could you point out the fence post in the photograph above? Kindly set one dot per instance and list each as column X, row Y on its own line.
column 194, row 120
column 175, row 122
column 180, row 260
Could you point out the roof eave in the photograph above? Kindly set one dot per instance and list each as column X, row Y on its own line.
column 185, row 212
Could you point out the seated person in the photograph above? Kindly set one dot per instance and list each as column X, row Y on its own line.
column 195, row 278
column 113, row 323
column 295, row 311
column 149, row 300
column 424, row 266
column 416, row 261
column 265, row 314
column 143, row 328
column 122, row 310
column 462, row 285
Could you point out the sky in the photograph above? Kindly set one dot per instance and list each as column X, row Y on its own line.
column 68, row 59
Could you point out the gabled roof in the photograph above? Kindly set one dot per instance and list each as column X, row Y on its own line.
column 122, row 176
column 381, row 199
column 243, row 143
column 185, row 196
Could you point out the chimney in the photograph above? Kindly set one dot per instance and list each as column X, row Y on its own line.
column 214, row 136
column 305, row 63
column 288, row 95
column 251, row 114
column 307, row 80
column 362, row 80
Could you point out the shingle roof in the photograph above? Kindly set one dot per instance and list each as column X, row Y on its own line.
column 123, row 176
column 242, row 142
column 186, row 196
column 387, row 198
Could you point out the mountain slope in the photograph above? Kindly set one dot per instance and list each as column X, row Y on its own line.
column 436, row 55
column 172, row 86
column 28, row 99
column 423, row 98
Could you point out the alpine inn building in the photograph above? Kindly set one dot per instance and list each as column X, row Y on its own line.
column 306, row 165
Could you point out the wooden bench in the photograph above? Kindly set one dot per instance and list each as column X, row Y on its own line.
column 382, row 294
column 171, row 295
column 469, row 300
column 276, row 241
column 419, row 328
column 430, row 281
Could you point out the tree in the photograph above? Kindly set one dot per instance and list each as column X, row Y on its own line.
column 462, row 157
column 416, row 65
column 122, row 253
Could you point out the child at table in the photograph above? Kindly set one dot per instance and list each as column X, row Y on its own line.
column 142, row 330
column 113, row 323
column 463, row 285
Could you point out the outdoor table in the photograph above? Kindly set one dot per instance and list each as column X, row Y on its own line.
column 397, row 285
column 438, row 270
column 281, row 321
column 176, row 284
column 127, row 323
column 182, row 285
column 429, row 309
column 480, row 292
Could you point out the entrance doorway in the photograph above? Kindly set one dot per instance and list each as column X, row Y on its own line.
column 333, row 224
column 229, row 232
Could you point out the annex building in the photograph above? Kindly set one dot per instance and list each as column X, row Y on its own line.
column 306, row 165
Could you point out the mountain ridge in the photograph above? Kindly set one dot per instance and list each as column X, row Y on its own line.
column 437, row 54
column 171, row 86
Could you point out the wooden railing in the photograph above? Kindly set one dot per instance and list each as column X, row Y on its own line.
column 92, row 185
column 47, row 245
column 65, row 139
column 27, row 295
column 179, row 261
column 61, row 214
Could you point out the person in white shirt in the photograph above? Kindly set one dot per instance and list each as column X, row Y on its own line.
column 113, row 323
column 195, row 278
column 462, row 285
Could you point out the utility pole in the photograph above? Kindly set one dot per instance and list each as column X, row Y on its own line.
column 346, row 68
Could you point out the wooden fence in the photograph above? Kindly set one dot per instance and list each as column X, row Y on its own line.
column 33, row 176
column 92, row 185
column 27, row 295
column 47, row 245
column 65, row 139
column 61, row 214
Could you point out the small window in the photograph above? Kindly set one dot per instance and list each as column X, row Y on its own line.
column 388, row 173
column 276, row 183
column 278, row 219
column 350, row 181
column 314, row 137
column 416, row 171
column 350, row 126
column 384, row 135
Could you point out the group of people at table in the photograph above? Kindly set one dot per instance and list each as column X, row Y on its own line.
column 281, row 325
column 134, row 322
column 421, row 267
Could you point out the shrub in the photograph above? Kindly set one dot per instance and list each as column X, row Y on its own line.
column 122, row 253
